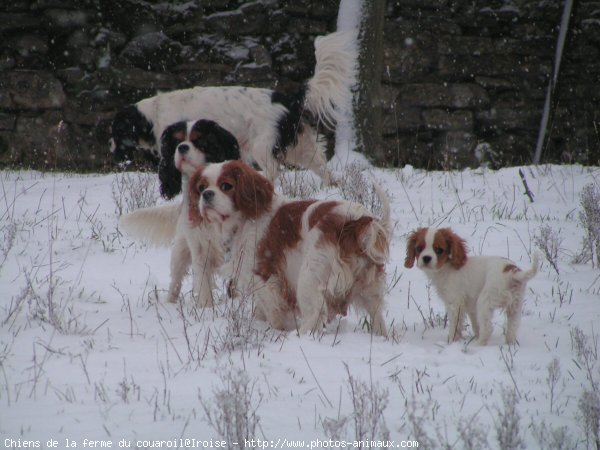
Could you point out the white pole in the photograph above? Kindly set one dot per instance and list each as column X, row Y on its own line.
column 560, row 45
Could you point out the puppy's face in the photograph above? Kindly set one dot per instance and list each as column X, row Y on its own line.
column 220, row 192
column 433, row 248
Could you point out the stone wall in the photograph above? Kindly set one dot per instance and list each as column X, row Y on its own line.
column 464, row 84
column 466, row 80
column 66, row 66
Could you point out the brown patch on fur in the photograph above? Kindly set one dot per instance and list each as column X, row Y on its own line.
column 196, row 182
column 344, row 234
column 511, row 268
column 252, row 193
column 194, row 134
column 283, row 234
column 334, row 308
column 455, row 248
column 179, row 136
column 321, row 210
column 414, row 246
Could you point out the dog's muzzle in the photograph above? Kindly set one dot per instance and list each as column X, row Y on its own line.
column 208, row 196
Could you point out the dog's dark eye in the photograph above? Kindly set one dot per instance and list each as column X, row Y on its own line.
column 419, row 248
column 439, row 250
column 226, row 187
column 201, row 188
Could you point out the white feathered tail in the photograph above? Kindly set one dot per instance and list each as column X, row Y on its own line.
column 376, row 241
column 156, row 225
column 329, row 88
column 532, row 272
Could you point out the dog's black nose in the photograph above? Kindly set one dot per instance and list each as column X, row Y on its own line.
column 426, row 259
column 183, row 148
column 208, row 195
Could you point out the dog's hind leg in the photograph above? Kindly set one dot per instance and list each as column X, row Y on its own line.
column 374, row 307
column 369, row 296
column 311, row 302
column 513, row 319
column 474, row 323
column 456, row 319
column 309, row 153
column 180, row 262
column 488, row 300
column 204, row 262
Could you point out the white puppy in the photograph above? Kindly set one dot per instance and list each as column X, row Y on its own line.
column 475, row 285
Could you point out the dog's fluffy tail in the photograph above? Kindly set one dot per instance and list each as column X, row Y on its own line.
column 156, row 225
column 384, row 200
column 526, row 275
column 329, row 88
column 376, row 240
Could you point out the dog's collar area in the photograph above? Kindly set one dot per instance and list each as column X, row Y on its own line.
column 228, row 241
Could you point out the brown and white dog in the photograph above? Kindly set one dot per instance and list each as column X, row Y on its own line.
column 475, row 285
column 301, row 261
column 188, row 148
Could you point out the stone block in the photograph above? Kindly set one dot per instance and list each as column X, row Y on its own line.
column 18, row 21
column 509, row 118
column 407, row 65
column 440, row 119
column 153, row 51
column 33, row 90
column 455, row 150
column 7, row 121
column 67, row 18
column 404, row 149
column 454, row 96
column 466, row 45
column 401, row 120
column 468, row 67
column 248, row 19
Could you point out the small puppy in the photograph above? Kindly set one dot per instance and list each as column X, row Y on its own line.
column 476, row 285
column 192, row 244
column 302, row 261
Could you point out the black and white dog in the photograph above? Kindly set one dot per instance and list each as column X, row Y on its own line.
column 169, row 224
column 272, row 128
column 192, row 144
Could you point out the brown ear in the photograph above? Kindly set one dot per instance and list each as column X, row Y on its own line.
column 194, row 215
column 253, row 192
column 458, row 248
column 411, row 255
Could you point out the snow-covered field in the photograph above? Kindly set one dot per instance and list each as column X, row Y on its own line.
column 89, row 350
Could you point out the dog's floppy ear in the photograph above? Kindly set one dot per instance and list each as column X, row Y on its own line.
column 214, row 141
column 128, row 127
column 194, row 215
column 411, row 254
column 457, row 246
column 169, row 176
column 253, row 192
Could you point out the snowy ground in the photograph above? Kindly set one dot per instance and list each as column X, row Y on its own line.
column 89, row 349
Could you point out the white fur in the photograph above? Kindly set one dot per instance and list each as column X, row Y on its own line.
column 191, row 245
column 477, row 289
column 313, row 270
